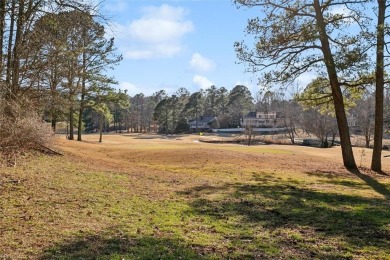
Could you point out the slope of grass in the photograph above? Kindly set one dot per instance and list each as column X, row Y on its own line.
column 189, row 201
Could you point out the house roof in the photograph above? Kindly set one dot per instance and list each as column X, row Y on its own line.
column 251, row 115
column 254, row 114
column 203, row 119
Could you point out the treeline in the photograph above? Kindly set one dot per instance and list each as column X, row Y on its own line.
column 172, row 113
column 53, row 66
column 308, row 111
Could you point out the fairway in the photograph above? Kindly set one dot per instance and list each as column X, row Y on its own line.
column 138, row 196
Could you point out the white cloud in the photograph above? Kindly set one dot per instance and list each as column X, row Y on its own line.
column 243, row 83
column 200, row 63
column 157, row 33
column 345, row 12
column 168, row 50
column 129, row 87
column 134, row 89
column 138, row 54
column 341, row 9
column 160, row 29
column 253, row 88
column 202, row 82
column 304, row 79
column 117, row 6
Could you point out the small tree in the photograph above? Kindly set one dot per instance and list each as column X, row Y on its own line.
column 104, row 116
column 250, row 135
column 292, row 117
column 320, row 125
column 364, row 112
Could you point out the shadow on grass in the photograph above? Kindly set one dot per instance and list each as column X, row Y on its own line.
column 155, row 136
column 114, row 245
column 142, row 136
column 377, row 186
column 275, row 205
column 367, row 179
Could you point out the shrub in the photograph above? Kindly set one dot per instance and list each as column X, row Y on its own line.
column 21, row 128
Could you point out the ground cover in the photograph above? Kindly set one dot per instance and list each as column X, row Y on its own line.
column 153, row 197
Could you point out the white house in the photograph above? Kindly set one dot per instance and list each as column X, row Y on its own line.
column 264, row 120
column 352, row 120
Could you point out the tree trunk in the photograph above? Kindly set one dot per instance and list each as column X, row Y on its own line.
column 333, row 137
column 17, row 47
column 9, row 49
column 80, row 122
column 115, row 120
column 53, row 124
column 100, row 130
column 173, row 121
column 83, row 88
column 376, row 162
column 290, row 130
column 346, row 147
column 71, row 123
column 367, row 137
column 326, row 144
column 67, row 130
column 2, row 28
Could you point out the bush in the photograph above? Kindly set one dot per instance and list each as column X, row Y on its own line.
column 21, row 128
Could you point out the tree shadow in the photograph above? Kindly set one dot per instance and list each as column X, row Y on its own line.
column 329, row 174
column 275, row 205
column 364, row 176
column 113, row 244
column 373, row 183
column 157, row 136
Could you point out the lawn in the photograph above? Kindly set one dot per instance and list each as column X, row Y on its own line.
column 152, row 197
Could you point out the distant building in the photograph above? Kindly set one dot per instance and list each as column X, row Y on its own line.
column 264, row 120
column 202, row 123
column 352, row 120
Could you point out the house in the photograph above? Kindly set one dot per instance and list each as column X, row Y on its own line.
column 352, row 120
column 202, row 123
column 264, row 120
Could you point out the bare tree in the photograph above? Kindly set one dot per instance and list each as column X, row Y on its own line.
column 320, row 125
column 364, row 112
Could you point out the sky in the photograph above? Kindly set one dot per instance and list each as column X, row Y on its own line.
column 178, row 43
column 169, row 44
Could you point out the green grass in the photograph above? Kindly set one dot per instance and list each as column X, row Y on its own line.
column 64, row 208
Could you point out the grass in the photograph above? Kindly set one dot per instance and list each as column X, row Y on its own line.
column 156, row 199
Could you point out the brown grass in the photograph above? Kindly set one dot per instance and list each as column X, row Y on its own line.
column 174, row 196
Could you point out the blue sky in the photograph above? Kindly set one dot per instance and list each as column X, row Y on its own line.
column 180, row 43
column 172, row 44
